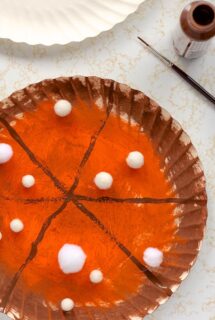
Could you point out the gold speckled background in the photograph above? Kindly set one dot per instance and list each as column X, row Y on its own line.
column 118, row 55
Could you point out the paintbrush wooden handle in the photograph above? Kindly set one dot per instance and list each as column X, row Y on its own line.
column 185, row 76
column 193, row 83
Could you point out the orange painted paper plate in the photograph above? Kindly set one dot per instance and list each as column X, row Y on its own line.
column 160, row 205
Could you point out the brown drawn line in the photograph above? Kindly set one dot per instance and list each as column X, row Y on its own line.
column 105, row 199
column 144, row 200
column 92, row 144
column 31, row 255
column 32, row 200
column 87, row 155
column 31, row 155
column 120, row 245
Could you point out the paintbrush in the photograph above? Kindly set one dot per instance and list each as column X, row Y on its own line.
column 183, row 74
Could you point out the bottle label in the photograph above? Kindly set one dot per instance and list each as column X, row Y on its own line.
column 187, row 47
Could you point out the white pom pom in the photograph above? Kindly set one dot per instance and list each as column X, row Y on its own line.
column 153, row 257
column 28, row 181
column 6, row 152
column 135, row 160
column 96, row 276
column 103, row 180
column 16, row 225
column 0, row 235
column 67, row 304
column 62, row 108
column 71, row 258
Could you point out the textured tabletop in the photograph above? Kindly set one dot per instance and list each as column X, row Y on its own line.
column 118, row 55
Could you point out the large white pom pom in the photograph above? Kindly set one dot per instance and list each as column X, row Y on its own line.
column 71, row 258
column 6, row 152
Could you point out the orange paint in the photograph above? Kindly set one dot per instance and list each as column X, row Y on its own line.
column 60, row 144
column 14, row 248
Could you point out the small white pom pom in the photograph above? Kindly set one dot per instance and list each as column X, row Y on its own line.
column 96, row 276
column 135, row 160
column 103, row 180
column 28, row 181
column 62, row 108
column 67, row 304
column 0, row 235
column 6, row 152
column 153, row 257
column 16, row 225
column 71, row 258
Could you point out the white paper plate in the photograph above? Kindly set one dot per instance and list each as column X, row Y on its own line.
column 60, row 21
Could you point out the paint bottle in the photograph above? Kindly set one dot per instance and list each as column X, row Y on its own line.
column 195, row 29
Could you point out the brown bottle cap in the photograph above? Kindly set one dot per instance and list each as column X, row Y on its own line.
column 198, row 20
